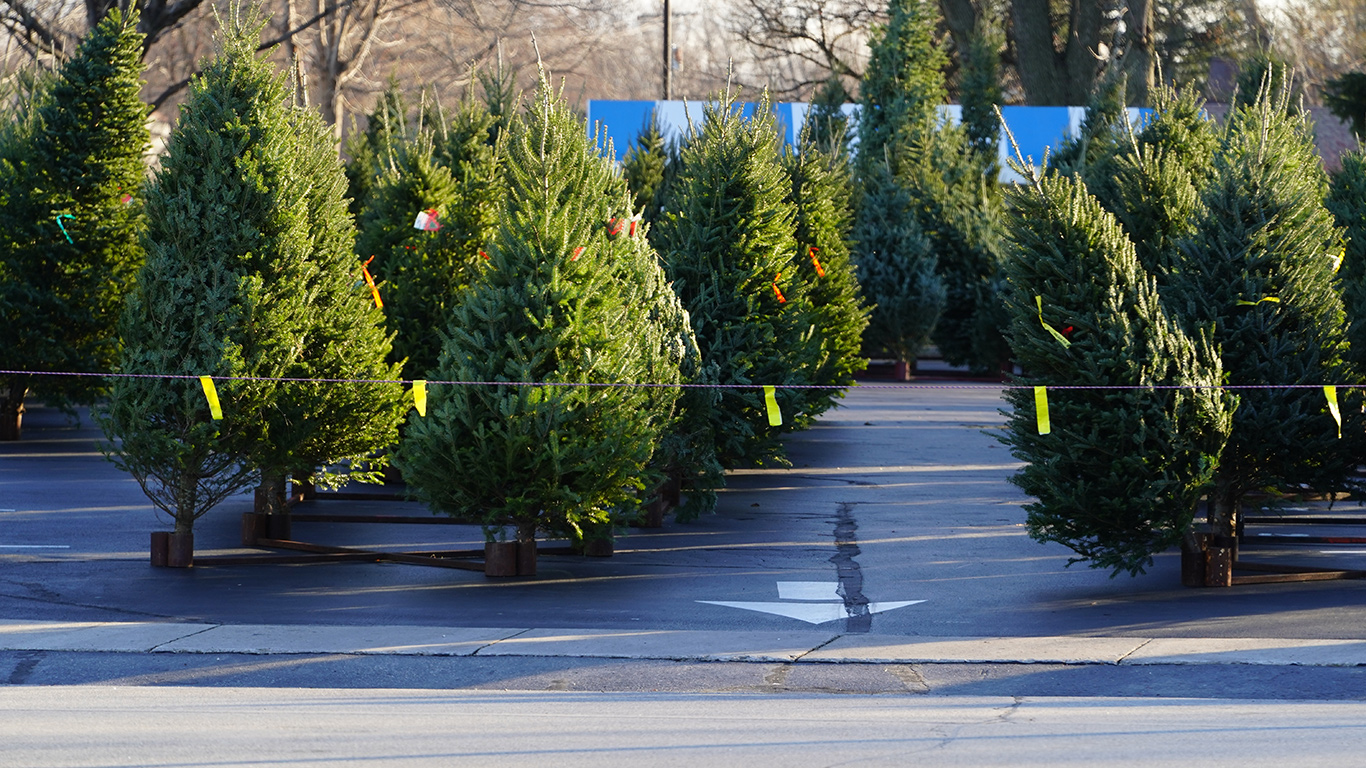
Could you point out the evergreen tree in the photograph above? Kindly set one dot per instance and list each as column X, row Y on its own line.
column 1119, row 475
column 1157, row 183
column 643, row 168
column 826, row 123
column 822, row 198
column 1347, row 202
column 899, row 95
column 569, row 302
column 371, row 152
column 895, row 267
column 250, row 279
column 1104, row 136
column 426, row 272
column 727, row 243
column 71, row 215
column 980, row 92
column 1259, row 271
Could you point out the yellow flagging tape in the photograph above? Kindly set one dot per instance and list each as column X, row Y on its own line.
column 1271, row 299
column 1061, row 338
column 420, row 396
column 775, row 416
column 1041, row 409
column 1332, row 394
column 211, row 394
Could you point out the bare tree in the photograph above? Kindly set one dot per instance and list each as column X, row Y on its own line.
column 807, row 40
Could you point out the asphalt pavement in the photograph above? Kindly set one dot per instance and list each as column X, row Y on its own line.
column 890, row 560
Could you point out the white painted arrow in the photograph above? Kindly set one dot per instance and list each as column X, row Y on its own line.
column 810, row 612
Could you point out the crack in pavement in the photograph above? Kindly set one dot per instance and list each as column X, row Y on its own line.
column 860, row 621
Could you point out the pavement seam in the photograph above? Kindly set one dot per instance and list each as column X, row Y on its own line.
column 804, row 654
column 1122, row 659
column 209, row 628
column 476, row 651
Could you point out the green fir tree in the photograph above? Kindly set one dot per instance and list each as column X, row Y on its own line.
column 71, row 212
column 250, row 278
column 727, row 241
column 1259, row 272
column 644, row 167
column 822, row 198
column 424, row 272
column 371, row 151
column 1347, row 202
column 1118, row 473
column 573, row 304
column 827, row 126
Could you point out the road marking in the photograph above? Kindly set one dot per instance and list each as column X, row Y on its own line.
column 809, row 590
column 832, row 609
column 1342, row 551
column 34, row 546
column 811, row 613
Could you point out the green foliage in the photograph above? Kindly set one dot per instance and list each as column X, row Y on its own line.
column 68, row 241
column 424, row 273
column 938, row 275
column 822, row 198
column 1157, row 183
column 644, row 167
column 826, row 124
column 1104, row 135
column 250, row 273
column 980, row 91
column 1267, row 71
column 1347, row 202
column 1259, row 272
column 372, row 152
column 1118, row 477
column 560, row 459
column 1345, row 96
column 727, row 243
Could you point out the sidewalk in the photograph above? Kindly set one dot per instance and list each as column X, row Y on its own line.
column 674, row 645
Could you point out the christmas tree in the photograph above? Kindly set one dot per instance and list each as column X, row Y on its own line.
column 827, row 127
column 1347, row 202
column 250, row 279
column 573, row 313
column 1259, row 272
column 72, row 211
column 372, row 151
column 727, row 241
column 426, row 271
column 822, row 198
column 644, row 166
column 1116, row 473
column 948, row 189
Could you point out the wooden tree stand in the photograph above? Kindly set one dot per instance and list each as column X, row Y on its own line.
column 172, row 550
column 1212, row 561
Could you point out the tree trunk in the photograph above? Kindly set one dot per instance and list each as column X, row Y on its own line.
column 1138, row 51
column 960, row 16
column 1050, row 77
column 270, row 494
column 12, row 408
column 1223, row 508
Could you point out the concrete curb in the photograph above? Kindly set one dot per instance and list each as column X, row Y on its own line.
column 781, row 647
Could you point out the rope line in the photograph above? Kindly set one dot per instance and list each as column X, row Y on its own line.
column 654, row 385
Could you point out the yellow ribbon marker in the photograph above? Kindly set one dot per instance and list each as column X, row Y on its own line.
column 211, row 394
column 1061, row 338
column 1041, row 409
column 1271, row 299
column 1332, row 394
column 420, row 396
column 775, row 416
